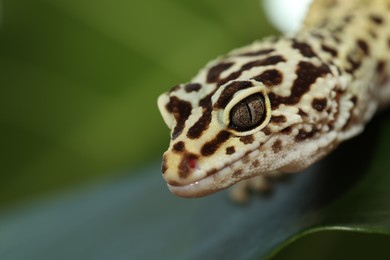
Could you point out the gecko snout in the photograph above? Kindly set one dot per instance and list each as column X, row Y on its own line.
column 178, row 169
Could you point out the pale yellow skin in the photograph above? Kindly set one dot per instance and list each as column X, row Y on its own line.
column 345, row 42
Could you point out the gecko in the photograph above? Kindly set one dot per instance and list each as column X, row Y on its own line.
column 280, row 104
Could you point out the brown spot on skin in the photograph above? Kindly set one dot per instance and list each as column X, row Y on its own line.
column 256, row 53
column 266, row 130
column 278, row 119
column 338, row 29
column 230, row 150
column 338, row 70
column 229, row 91
column 354, row 65
column 354, row 99
column 286, row 131
column 237, row 173
column 178, row 147
column 363, row 46
column 319, row 104
column 303, row 135
column 335, row 38
column 185, row 168
column 317, row 35
column 174, row 88
column 376, row 19
column 201, row 125
column 192, row 87
column 270, row 77
column 380, row 68
column 329, row 50
column 215, row 71
column 348, row 19
column 304, row 49
column 256, row 163
column 232, row 76
column 245, row 159
column 181, row 110
column 272, row 60
column 164, row 166
column 212, row 146
column 302, row 113
column 247, row 139
column 206, row 101
column 373, row 34
column 307, row 74
column 277, row 146
column 211, row 172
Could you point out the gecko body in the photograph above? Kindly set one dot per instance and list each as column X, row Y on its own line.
column 280, row 104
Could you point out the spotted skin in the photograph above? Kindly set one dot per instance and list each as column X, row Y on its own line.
column 318, row 88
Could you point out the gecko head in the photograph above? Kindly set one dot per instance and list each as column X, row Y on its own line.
column 224, row 135
column 272, row 106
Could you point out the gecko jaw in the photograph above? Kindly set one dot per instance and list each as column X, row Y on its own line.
column 214, row 181
column 204, row 186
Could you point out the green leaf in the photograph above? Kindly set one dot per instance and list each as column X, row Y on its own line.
column 78, row 104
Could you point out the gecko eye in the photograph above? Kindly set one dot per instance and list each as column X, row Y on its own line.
column 248, row 114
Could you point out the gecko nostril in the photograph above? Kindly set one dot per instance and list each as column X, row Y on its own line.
column 188, row 163
column 192, row 163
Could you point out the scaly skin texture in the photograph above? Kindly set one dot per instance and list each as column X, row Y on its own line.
column 308, row 93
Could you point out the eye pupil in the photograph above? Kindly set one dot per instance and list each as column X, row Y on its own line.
column 248, row 113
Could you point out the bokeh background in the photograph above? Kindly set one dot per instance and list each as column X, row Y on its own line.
column 80, row 81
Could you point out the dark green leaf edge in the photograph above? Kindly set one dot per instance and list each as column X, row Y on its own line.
column 314, row 230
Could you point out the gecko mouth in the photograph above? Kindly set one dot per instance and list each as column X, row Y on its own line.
column 214, row 181
column 204, row 186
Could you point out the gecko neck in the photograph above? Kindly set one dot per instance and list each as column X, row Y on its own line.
column 353, row 39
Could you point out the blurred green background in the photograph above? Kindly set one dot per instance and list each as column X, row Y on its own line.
column 80, row 81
